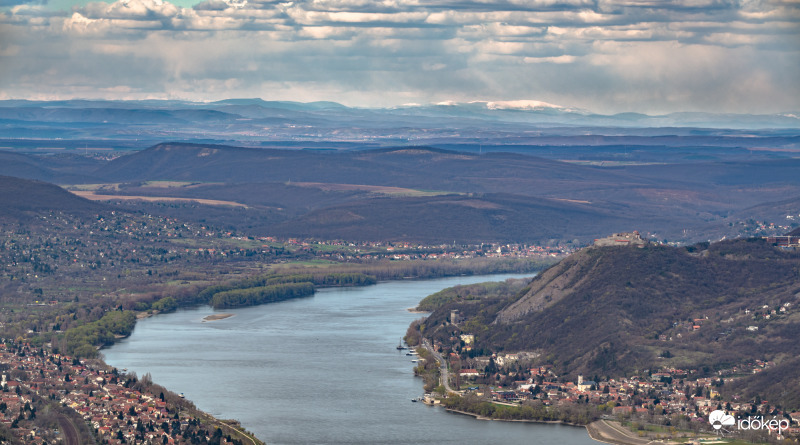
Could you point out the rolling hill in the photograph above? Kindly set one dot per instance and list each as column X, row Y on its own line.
column 456, row 218
column 395, row 193
column 705, row 187
column 700, row 200
column 418, row 167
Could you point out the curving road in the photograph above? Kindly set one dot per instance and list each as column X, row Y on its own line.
column 444, row 373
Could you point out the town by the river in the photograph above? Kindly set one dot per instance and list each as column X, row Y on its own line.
column 322, row 369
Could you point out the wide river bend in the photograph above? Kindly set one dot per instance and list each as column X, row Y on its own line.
column 316, row 370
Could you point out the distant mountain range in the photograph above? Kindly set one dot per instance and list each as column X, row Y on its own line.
column 529, row 111
column 492, row 126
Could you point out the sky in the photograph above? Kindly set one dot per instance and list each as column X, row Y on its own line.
column 607, row 56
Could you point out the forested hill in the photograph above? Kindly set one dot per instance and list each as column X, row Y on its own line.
column 21, row 198
column 616, row 311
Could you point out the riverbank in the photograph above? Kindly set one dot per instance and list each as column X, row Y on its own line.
column 414, row 310
column 479, row 417
column 604, row 431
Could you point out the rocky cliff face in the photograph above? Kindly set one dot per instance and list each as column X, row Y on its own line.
column 552, row 285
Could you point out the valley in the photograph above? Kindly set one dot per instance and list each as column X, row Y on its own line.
column 99, row 235
column 218, row 217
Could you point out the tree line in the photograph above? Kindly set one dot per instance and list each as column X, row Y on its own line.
column 533, row 411
column 260, row 295
column 276, row 287
column 81, row 341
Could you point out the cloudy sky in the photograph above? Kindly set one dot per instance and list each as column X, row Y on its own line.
column 607, row 56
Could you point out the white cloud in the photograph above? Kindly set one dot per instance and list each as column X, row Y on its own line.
column 558, row 59
column 606, row 55
column 131, row 9
column 325, row 32
column 521, row 105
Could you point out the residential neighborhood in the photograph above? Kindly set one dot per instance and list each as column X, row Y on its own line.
column 50, row 398
column 674, row 398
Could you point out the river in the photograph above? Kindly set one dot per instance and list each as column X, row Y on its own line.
column 316, row 370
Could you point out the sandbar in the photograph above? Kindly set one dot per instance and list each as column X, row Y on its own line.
column 214, row 317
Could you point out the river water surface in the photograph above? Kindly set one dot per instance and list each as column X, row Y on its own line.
column 316, row 370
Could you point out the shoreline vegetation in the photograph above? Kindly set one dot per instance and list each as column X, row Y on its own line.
column 482, row 409
column 480, row 417
column 599, row 430
column 603, row 431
